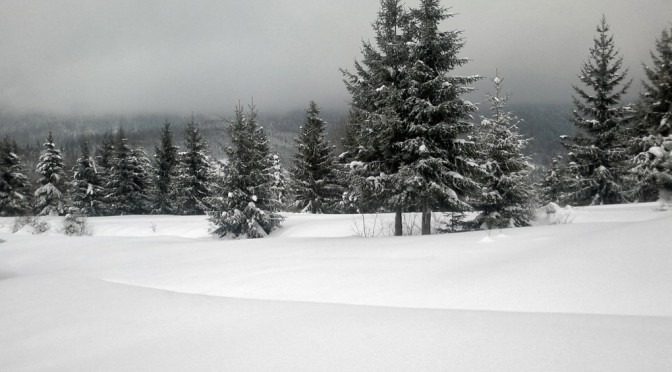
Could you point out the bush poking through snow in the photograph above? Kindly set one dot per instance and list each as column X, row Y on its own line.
column 76, row 225
column 35, row 225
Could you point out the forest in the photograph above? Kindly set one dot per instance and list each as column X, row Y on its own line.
column 410, row 142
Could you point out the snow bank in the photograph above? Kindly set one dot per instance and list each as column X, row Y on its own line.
column 590, row 295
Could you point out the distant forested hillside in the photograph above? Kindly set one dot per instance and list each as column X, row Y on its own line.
column 544, row 123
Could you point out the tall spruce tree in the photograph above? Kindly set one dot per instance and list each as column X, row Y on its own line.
column 313, row 183
column 85, row 190
column 597, row 154
column 375, row 125
column 247, row 204
column 507, row 196
column 652, row 135
column 165, row 163
column 411, row 153
column 192, row 182
column 14, row 184
column 129, row 178
column 49, row 196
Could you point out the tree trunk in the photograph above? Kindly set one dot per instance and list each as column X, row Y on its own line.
column 398, row 228
column 426, row 219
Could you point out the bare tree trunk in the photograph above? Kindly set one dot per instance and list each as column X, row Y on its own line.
column 398, row 228
column 426, row 219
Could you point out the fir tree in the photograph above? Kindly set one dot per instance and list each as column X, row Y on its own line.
column 86, row 192
column 438, row 170
column 597, row 154
column 49, row 196
column 375, row 127
column 128, row 183
column 652, row 135
column 553, row 187
column 247, row 204
column 103, row 168
column 280, row 182
column 165, row 160
column 192, row 181
column 410, row 152
column 313, row 184
column 14, row 185
column 507, row 195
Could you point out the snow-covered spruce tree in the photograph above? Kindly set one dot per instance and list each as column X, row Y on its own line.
column 280, row 182
column 165, row 164
column 437, row 168
column 597, row 154
column 103, row 168
column 313, row 183
column 375, row 128
column 652, row 135
column 129, row 178
column 14, row 184
column 85, row 190
column 507, row 195
column 192, row 181
column 246, row 206
column 410, row 154
column 49, row 196
column 553, row 187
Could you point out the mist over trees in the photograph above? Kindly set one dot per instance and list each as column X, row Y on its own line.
column 410, row 143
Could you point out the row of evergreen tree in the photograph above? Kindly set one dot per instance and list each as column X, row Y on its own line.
column 412, row 144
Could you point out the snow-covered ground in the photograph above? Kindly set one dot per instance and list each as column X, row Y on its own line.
column 157, row 293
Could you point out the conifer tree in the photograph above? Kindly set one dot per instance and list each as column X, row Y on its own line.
column 128, row 183
column 597, row 153
column 246, row 205
column 85, row 190
column 192, row 182
column 410, row 153
column 14, row 185
column 165, row 160
column 652, row 135
column 280, row 182
column 313, row 183
column 507, row 194
column 553, row 187
column 103, row 168
column 49, row 196
column 438, row 170
column 375, row 127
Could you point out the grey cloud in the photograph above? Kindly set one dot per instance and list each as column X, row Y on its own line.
column 202, row 56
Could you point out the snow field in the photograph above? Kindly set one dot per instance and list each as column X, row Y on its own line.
column 590, row 295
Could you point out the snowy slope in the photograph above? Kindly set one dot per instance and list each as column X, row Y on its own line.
column 158, row 293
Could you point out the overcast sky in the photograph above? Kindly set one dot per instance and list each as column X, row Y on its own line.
column 166, row 56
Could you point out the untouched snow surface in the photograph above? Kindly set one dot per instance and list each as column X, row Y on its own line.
column 157, row 293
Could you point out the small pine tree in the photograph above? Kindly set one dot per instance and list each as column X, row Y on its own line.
column 247, row 204
column 597, row 154
column 280, row 182
column 85, row 190
column 14, row 185
column 553, row 187
column 313, row 182
column 193, row 174
column 49, row 197
column 652, row 135
column 103, row 168
column 165, row 164
column 507, row 194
